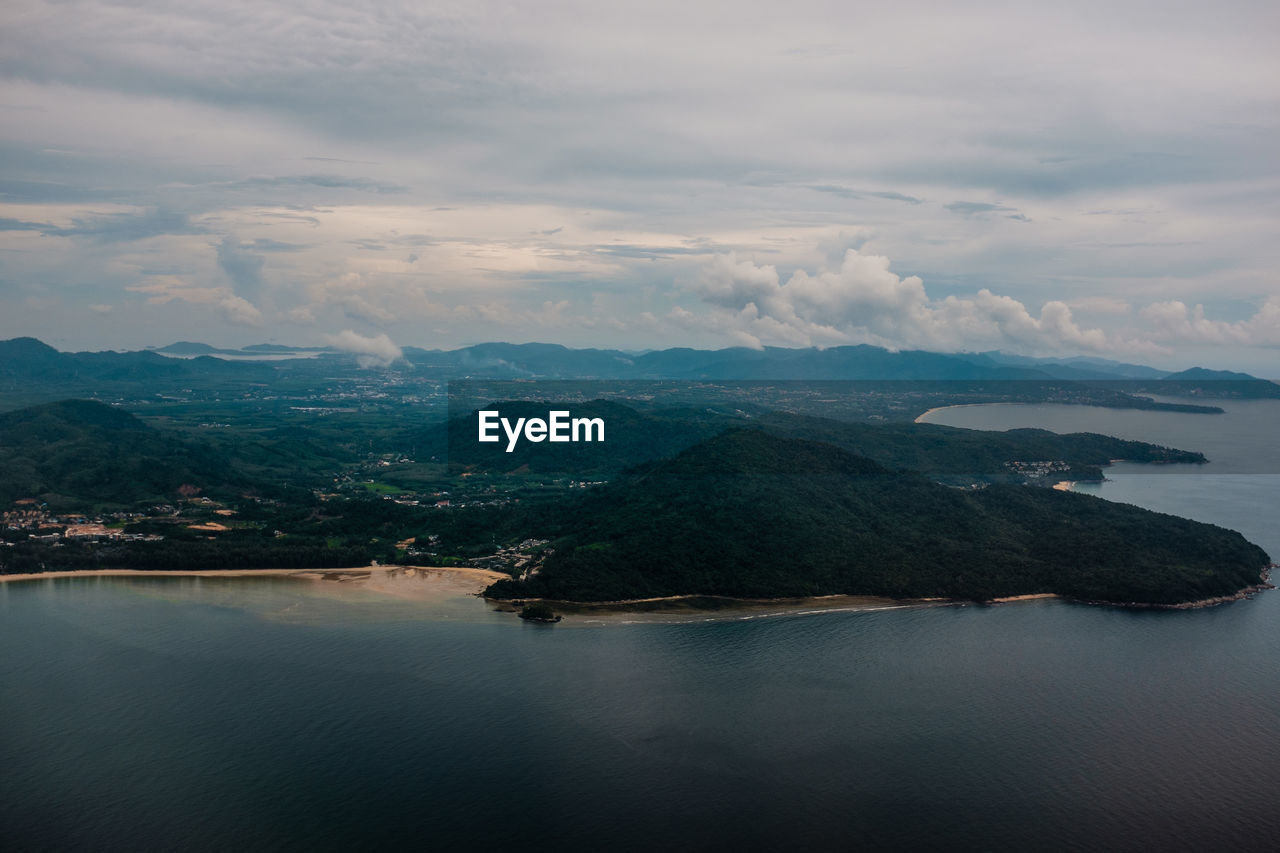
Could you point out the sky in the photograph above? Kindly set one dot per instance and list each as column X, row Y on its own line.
column 1089, row 178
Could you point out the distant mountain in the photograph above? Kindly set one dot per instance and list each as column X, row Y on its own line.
column 188, row 348
column 749, row 514
column 1201, row 382
column 1201, row 374
column 1077, row 367
column 32, row 372
column 27, row 359
column 278, row 349
column 1118, row 368
column 547, row 361
column 551, row 361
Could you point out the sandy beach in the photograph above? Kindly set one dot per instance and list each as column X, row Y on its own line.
column 920, row 418
column 1031, row 597
column 405, row 581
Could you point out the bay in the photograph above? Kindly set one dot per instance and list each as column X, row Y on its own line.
column 269, row 713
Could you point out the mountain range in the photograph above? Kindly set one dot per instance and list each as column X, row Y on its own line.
column 29, row 358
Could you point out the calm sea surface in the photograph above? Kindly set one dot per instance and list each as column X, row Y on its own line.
column 269, row 713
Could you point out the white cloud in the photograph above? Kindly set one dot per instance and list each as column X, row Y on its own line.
column 163, row 289
column 301, row 316
column 376, row 351
column 240, row 311
column 863, row 301
column 1173, row 322
column 467, row 162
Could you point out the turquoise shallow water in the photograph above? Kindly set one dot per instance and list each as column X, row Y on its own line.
column 263, row 713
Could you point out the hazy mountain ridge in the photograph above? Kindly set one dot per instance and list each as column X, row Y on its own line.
column 29, row 358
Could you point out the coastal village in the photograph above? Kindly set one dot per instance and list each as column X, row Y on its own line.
column 39, row 523
column 31, row 520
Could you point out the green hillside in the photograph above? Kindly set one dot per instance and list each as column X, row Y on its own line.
column 750, row 514
column 951, row 453
column 946, row 453
column 78, row 452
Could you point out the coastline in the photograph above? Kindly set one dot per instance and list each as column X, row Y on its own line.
column 483, row 577
column 1263, row 584
column 843, row 601
column 396, row 580
column 919, row 419
column 712, row 603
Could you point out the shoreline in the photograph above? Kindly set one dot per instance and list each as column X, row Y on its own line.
column 919, row 419
column 1263, row 584
column 484, row 575
column 832, row 601
column 839, row 600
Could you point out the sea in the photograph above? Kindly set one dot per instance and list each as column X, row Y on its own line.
column 269, row 713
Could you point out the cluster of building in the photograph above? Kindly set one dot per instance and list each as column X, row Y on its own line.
column 1036, row 470
column 522, row 560
column 42, row 525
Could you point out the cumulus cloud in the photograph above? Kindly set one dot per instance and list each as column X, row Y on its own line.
column 376, row 351
column 163, row 289
column 1174, row 322
column 239, row 311
column 355, row 295
column 863, row 301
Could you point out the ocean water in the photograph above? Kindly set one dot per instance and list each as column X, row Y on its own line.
column 269, row 713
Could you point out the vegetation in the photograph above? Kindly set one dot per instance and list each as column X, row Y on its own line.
column 962, row 455
column 537, row 611
column 702, row 498
column 77, row 451
column 750, row 514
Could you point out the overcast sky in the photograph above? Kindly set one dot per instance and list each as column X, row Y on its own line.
column 1082, row 178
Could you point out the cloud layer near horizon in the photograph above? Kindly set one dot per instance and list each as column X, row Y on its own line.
column 863, row 301
column 1093, row 178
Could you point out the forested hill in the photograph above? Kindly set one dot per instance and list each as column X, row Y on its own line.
column 749, row 514
column 78, row 451
column 954, row 455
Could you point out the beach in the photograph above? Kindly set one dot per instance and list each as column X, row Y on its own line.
column 920, row 418
column 405, row 581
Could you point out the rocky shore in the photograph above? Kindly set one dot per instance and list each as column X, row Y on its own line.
column 1264, row 583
